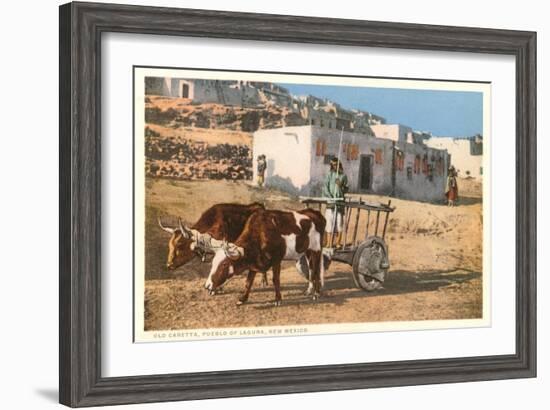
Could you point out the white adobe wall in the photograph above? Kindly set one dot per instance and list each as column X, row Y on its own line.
column 459, row 149
column 293, row 166
column 288, row 155
column 381, row 182
column 158, row 86
column 420, row 188
column 206, row 91
column 250, row 96
column 381, row 173
column 394, row 132
column 176, row 87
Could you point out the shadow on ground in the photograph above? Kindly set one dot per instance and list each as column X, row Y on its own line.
column 397, row 283
column 469, row 200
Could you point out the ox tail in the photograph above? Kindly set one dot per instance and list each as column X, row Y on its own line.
column 326, row 258
column 322, row 269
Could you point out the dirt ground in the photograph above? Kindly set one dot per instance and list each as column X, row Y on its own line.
column 435, row 254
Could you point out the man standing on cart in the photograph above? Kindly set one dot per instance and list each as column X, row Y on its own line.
column 334, row 189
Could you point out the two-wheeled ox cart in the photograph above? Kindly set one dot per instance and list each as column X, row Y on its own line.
column 365, row 250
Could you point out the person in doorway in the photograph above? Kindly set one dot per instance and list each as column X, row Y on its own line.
column 334, row 189
column 262, row 166
column 451, row 190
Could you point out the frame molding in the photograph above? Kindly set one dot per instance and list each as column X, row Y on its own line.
column 81, row 26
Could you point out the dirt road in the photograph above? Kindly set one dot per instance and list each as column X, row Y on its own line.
column 435, row 254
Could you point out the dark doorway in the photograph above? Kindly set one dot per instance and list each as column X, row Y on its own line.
column 365, row 173
column 185, row 91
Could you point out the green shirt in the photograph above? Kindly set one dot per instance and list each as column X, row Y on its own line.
column 331, row 189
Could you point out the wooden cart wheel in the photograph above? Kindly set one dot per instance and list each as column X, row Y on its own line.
column 370, row 264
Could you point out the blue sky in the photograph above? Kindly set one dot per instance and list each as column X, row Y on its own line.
column 444, row 113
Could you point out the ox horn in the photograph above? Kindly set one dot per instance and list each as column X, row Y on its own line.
column 165, row 228
column 184, row 231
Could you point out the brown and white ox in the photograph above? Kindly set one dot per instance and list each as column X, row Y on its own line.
column 268, row 238
column 218, row 223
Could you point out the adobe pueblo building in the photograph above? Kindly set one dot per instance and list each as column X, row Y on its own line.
column 380, row 158
column 399, row 164
column 303, row 110
column 466, row 154
column 241, row 93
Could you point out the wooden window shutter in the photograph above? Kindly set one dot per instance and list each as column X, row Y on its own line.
column 355, row 152
column 378, row 156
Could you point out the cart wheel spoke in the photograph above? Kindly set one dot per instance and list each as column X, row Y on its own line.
column 370, row 264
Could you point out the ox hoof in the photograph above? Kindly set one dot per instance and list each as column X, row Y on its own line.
column 211, row 292
column 241, row 302
column 278, row 303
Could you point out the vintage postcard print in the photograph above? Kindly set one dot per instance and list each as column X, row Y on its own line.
column 285, row 204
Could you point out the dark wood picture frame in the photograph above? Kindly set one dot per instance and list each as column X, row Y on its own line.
column 81, row 27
